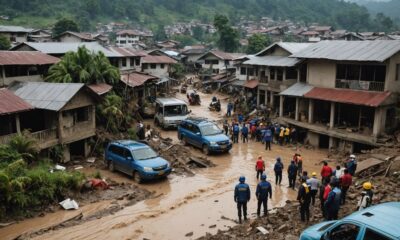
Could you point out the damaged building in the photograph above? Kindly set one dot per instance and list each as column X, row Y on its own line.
column 349, row 100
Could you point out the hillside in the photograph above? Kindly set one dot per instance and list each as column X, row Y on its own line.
column 152, row 13
column 389, row 8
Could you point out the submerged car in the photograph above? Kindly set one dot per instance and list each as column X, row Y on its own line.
column 136, row 159
column 203, row 134
column 380, row 222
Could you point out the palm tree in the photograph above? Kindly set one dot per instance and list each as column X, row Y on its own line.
column 110, row 110
column 25, row 145
column 83, row 67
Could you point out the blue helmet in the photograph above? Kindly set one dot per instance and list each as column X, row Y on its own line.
column 264, row 176
column 242, row 179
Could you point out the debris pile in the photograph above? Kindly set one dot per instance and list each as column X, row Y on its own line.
column 182, row 158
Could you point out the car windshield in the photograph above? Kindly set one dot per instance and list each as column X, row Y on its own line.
column 175, row 110
column 210, row 129
column 143, row 154
column 323, row 228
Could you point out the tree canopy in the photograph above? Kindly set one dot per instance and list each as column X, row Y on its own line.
column 228, row 36
column 83, row 67
column 64, row 25
column 258, row 42
column 5, row 43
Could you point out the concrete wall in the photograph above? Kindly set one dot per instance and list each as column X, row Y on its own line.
column 129, row 64
column 193, row 58
column 68, row 38
column 158, row 71
column 321, row 73
column 278, row 51
column 313, row 139
column 390, row 83
column 220, row 65
column 19, row 37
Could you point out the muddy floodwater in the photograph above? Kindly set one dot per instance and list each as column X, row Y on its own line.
column 181, row 204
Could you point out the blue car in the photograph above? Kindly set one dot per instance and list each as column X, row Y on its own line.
column 136, row 159
column 380, row 222
column 203, row 134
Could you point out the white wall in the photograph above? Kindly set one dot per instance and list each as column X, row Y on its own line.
column 158, row 71
column 70, row 38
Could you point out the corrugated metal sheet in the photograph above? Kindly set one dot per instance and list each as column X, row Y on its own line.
column 288, row 46
column 223, row 55
column 64, row 47
column 49, row 96
column 136, row 79
column 378, row 50
column 253, row 83
column 158, row 59
column 26, row 58
column 365, row 98
column 100, row 88
column 128, row 52
column 273, row 61
column 297, row 90
column 15, row 29
column 11, row 103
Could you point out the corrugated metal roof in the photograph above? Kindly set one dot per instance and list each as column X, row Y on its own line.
column 26, row 58
column 128, row 52
column 297, row 90
column 378, row 50
column 136, row 79
column 288, row 46
column 223, row 55
column 49, row 96
column 84, row 36
column 11, row 103
column 100, row 88
column 64, row 47
column 371, row 99
column 273, row 61
column 158, row 59
column 15, row 29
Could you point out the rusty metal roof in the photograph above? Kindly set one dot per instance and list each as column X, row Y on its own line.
column 253, row 83
column 26, row 58
column 365, row 98
column 158, row 59
column 11, row 103
column 223, row 55
column 43, row 95
column 128, row 52
column 100, row 88
column 378, row 50
column 136, row 79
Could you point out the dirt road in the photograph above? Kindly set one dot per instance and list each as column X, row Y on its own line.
column 186, row 207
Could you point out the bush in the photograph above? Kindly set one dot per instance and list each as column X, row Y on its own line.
column 132, row 133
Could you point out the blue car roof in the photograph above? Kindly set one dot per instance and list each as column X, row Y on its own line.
column 130, row 144
column 198, row 121
column 384, row 217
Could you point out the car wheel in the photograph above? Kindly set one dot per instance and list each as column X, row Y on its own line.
column 184, row 141
column 137, row 178
column 205, row 149
column 111, row 166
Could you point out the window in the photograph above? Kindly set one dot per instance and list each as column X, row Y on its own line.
column 353, row 72
column 153, row 66
column 279, row 74
column 291, row 73
column 397, row 72
column 117, row 150
column 344, row 231
column 243, row 71
column 162, row 65
column 371, row 73
column 145, row 66
column 144, row 154
column 372, row 235
column 210, row 129
column 272, row 72
column 81, row 115
column 123, row 62
column 250, row 71
column 137, row 61
column 122, row 42
column 209, row 62
column 226, row 62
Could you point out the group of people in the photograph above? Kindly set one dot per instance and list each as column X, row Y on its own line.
column 332, row 188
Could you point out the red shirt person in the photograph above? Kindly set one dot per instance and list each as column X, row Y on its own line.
column 326, row 172
column 260, row 167
column 345, row 182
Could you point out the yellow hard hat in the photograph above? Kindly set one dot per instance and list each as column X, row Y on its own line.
column 314, row 174
column 367, row 185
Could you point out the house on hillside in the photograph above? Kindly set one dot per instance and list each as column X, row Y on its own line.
column 272, row 70
column 159, row 66
column 168, row 44
column 74, row 37
column 139, row 85
column 55, row 114
column 218, row 61
column 129, row 59
column 15, row 34
column 40, row 35
column 24, row 66
column 191, row 54
column 350, row 95
column 131, row 38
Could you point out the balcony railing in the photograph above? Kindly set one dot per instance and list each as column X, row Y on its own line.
column 361, row 85
column 42, row 136
column 6, row 138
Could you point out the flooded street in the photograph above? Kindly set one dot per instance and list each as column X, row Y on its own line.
column 182, row 204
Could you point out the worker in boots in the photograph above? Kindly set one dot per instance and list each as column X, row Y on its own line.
column 366, row 196
column 241, row 197
column 264, row 189
column 304, row 198
column 278, row 168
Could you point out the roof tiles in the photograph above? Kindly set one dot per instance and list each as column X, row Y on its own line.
column 26, row 58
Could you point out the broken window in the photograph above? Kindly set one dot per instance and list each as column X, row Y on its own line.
column 243, row 71
column 291, row 73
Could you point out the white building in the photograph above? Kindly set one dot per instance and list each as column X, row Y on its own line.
column 130, row 38
column 218, row 61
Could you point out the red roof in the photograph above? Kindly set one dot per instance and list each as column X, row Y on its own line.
column 251, row 83
column 26, row 58
column 158, row 59
column 11, row 103
column 371, row 99
column 136, row 79
column 100, row 88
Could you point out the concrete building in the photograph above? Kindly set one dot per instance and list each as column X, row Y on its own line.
column 218, row 61
column 24, row 66
column 15, row 34
column 349, row 98
column 130, row 38
column 129, row 59
column 55, row 114
column 159, row 66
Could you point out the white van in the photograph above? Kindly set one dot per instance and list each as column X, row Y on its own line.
column 170, row 112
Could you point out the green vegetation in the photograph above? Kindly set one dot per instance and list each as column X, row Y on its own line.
column 258, row 42
column 83, row 67
column 152, row 13
column 26, row 186
column 228, row 39
column 64, row 25
column 390, row 8
column 5, row 43
column 109, row 112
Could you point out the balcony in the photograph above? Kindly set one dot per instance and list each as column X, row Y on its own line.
column 360, row 85
column 45, row 138
column 78, row 132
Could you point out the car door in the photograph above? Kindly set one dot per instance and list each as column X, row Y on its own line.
column 343, row 231
column 197, row 138
column 119, row 158
column 126, row 161
column 372, row 234
column 189, row 133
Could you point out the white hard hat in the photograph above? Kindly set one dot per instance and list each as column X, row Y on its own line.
column 352, row 156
